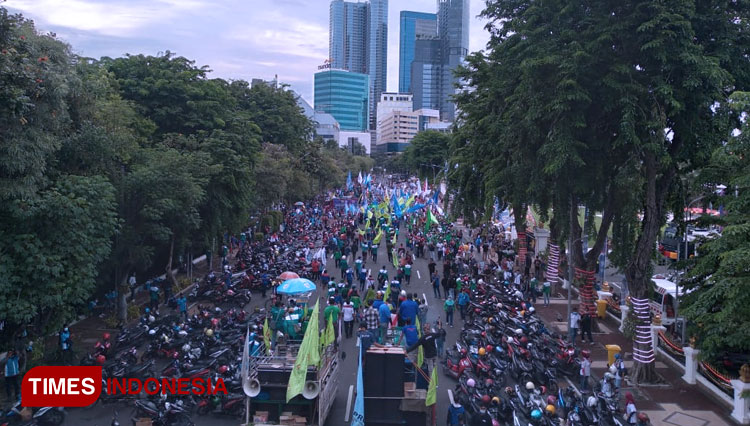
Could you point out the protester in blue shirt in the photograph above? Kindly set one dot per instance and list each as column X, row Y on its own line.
column 11, row 376
column 408, row 310
column 384, row 313
column 463, row 303
column 410, row 333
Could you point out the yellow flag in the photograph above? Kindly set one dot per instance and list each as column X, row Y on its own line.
column 377, row 238
column 267, row 336
column 419, row 328
column 420, row 357
column 432, row 388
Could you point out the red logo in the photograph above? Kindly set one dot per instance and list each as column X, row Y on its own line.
column 50, row 386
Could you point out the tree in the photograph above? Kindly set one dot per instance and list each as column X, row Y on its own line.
column 719, row 305
column 427, row 153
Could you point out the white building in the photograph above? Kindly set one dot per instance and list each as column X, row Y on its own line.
column 391, row 102
column 348, row 137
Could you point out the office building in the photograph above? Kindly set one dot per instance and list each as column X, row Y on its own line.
column 397, row 129
column 435, row 59
column 344, row 95
column 413, row 26
column 390, row 102
column 453, row 29
column 358, row 42
column 325, row 125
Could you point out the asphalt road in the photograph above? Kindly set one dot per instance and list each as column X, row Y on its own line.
column 100, row 415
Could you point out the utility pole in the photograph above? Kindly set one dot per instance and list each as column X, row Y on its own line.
column 570, row 276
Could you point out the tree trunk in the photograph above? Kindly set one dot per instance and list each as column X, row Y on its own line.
column 122, row 298
column 639, row 269
column 169, row 272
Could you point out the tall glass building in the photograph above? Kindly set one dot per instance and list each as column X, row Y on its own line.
column 453, row 29
column 358, row 42
column 413, row 26
column 344, row 95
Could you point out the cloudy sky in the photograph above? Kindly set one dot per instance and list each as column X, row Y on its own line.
column 240, row 39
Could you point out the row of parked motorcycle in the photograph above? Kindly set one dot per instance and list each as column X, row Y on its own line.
column 506, row 360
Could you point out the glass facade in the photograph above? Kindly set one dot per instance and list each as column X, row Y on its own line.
column 358, row 42
column 425, row 74
column 453, row 28
column 413, row 26
column 344, row 95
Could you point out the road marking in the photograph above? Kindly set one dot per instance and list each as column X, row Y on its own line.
column 349, row 403
column 424, row 297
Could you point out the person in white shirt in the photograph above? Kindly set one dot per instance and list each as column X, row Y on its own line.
column 573, row 331
column 347, row 312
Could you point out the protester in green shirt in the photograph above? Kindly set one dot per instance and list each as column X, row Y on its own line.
column 332, row 312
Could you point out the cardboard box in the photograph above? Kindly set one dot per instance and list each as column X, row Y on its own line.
column 144, row 421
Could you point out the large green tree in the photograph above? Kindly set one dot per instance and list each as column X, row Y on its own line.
column 719, row 303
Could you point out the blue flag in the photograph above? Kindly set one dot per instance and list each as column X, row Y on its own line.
column 358, row 416
column 349, row 184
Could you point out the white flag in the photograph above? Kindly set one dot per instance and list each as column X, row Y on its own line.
column 245, row 369
column 359, row 178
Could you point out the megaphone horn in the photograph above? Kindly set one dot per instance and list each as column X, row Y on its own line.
column 312, row 389
column 252, row 388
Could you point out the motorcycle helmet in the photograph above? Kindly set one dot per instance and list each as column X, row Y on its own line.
column 585, row 353
column 470, row 383
column 489, row 382
column 551, row 400
column 176, row 355
column 101, row 359
column 489, row 320
column 536, row 414
column 223, row 369
column 148, row 310
column 542, row 389
column 182, row 333
column 214, row 322
column 524, row 341
column 518, row 332
column 482, row 352
column 643, row 418
column 463, row 352
column 403, row 293
column 209, row 333
column 495, row 400
column 480, row 282
column 532, row 310
column 608, row 376
column 591, row 401
column 489, row 348
column 550, row 409
column 151, row 318
column 613, row 369
column 484, row 334
column 230, row 293
column 217, row 310
column 105, row 336
column 529, row 386
column 486, row 400
column 152, row 332
column 186, row 348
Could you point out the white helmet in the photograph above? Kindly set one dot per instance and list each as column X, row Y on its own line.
column 608, row 375
column 151, row 318
column 519, row 332
column 481, row 281
column 403, row 293
column 532, row 309
column 186, row 347
column 152, row 332
column 529, row 386
column 591, row 401
column 470, row 383
column 613, row 369
column 182, row 333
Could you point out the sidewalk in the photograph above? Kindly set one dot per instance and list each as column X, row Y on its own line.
column 669, row 404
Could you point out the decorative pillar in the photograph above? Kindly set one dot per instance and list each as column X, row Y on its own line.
column 624, row 310
column 741, row 412
column 656, row 327
column 691, row 362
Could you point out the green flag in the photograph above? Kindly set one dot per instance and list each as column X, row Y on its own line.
column 430, row 220
column 267, row 336
column 394, row 255
column 419, row 328
column 377, row 238
column 387, row 292
column 420, row 356
column 328, row 335
column 432, row 388
column 308, row 355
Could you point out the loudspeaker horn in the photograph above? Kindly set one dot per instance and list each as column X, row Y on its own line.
column 312, row 389
column 251, row 388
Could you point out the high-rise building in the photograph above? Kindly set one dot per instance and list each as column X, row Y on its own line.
column 426, row 73
column 344, row 95
column 413, row 26
column 358, row 42
column 453, row 28
column 436, row 58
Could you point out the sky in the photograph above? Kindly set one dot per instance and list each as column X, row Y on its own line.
column 237, row 39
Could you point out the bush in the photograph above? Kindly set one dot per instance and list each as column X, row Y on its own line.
column 259, row 236
column 134, row 311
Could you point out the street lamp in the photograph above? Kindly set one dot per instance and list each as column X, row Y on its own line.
column 677, row 284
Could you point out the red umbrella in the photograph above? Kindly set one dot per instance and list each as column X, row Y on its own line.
column 288, row 275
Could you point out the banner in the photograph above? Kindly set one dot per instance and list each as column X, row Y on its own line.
column 308, row 355
column 245, row 366
column 358, row 416
column 432, row 388
column 267, row 336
